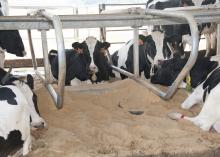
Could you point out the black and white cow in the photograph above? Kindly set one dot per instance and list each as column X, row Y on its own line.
column 183, row 31
column 87, row 60
column 18, row 114
column 208, row 93
column 152, row 49
column 10, row 41
column 170, row 69
column 123, row 58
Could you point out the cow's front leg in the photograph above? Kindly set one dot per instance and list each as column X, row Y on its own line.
column 194, row 98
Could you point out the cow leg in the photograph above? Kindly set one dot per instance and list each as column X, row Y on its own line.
column 214, row 41
column 27, row 145
column 208, row 44
column 26, row 136
column 194, row 98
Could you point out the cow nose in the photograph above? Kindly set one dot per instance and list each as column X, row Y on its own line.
column 93, row 68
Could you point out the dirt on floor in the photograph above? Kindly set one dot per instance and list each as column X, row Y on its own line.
column 97, row 121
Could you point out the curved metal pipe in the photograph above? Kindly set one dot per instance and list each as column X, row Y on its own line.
column 58, row 96
column 194, row 50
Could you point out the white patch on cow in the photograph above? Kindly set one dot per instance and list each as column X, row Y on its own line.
column 158, row 38
column 210, row 112
column 77, row 82
column 4, row 8
column 25, row 89
column 91, row 43
column 2, row 58
column 182, row 85
column 216, row 126
column 155, row 1
column 194, row 98
column 16, row 117
column 186, row 39
column 122, row 56
column 215, row 58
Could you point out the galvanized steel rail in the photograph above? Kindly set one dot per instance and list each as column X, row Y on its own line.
column 151, row 17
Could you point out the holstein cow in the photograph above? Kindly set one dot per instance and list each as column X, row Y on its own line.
column 169, row 70
column 183, row 31
column 17, row 114
column 152, row 49
column 10, row 40
column 123, row 58
column 87, row 60
column 208, row 92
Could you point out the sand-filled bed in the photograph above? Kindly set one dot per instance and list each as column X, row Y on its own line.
column 95, row 121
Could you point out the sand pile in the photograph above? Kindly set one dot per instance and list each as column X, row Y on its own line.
column 97, row 122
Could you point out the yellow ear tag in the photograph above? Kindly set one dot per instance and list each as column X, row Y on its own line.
column 94, row 78
column 188, row 84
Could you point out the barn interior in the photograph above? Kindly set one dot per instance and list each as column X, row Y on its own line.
column 119, row 118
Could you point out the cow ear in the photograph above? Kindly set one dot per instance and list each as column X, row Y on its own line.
column 30, row 81
column 106, row 45
column 143, row 38
column 77, row 45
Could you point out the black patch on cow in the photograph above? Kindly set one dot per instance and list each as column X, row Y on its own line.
column 30, row 81
column 211, row 82
column 205, row 94
column 206, row 2
column 12, row 144
column 12, row 42
column 186, row 3
column 76, row 66
column 7, row 94
column 170, row 69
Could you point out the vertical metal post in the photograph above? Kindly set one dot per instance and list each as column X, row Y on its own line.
column 58, row 96
column 136, row 51
column 102, row 29
column 218, row 37
column 34, row 62
column 76, row 30
column 45, row 54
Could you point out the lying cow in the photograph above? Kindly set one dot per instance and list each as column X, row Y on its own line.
column 18, row 112
column 170, row 69
column 123, row 58
column 87, row 60
column 152, row 49
column 208, row 92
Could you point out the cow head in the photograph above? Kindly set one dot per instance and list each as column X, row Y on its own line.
column 96, row 56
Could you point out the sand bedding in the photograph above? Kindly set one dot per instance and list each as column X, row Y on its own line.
column 96, row 122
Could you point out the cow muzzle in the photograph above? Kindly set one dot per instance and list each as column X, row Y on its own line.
column 93, row 68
